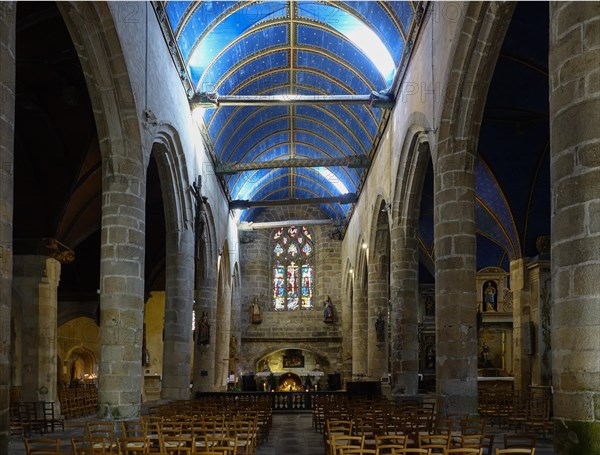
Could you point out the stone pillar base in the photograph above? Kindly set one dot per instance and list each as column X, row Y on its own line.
column 571, row 437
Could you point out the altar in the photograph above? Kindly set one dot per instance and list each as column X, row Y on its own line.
column 288, row 381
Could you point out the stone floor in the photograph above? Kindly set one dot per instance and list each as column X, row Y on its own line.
column 292, row 434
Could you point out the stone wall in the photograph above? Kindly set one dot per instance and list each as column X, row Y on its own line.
column 294, row 329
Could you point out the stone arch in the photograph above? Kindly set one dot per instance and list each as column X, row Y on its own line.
column 94, row 34
column 169, row 158
column 469, row 74
column 347, row 321
column 360, row 305
column 93, row 31
column 378, row 289
column 224, row 349
column 172, row 169
column 404, row 260
column 264, row 352
column 88, row 363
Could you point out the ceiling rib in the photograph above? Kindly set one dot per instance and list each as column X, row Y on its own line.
column 349, row 198
column 349, row 161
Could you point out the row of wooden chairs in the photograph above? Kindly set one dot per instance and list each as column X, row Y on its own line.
column 517, row 411
column 421, row 451
column 29, row 417
column 78, row 401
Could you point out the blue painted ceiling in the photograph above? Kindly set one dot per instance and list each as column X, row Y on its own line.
column 288, row 48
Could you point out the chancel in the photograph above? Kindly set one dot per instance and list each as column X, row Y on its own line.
column 371, row 208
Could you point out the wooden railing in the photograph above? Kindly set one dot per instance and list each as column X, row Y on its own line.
column 280, row 401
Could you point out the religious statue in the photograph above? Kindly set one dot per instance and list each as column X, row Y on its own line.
column 255, row 312
column 328, row 311
column 380, row 328
column 489, row 297
column 204, row 329
column 485, row 354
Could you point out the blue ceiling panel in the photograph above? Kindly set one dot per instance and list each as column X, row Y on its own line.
column 488, row 190
column 488, row 225
column 326, row 117
column 489, row 253
column 289, row 48
column 213, row 80
column 384, row 18
column 262, row 136
column 251, row 182
column 342, row 51
column 233, row 121
column 307, row 59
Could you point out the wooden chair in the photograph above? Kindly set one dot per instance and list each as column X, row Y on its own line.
column 102, row 429
column 51, row 420
column 358, row 451
column 42, row 446
column 438, row 443
column 339, row 443
column 412, row 451
column 224, row 445
column 133, row 445
column 515, row 451
column 464, row 451
column 177, row 445
column 519, row 440
column 134, row 429
column 388, row 443
column 87, row 446
column 335, row 427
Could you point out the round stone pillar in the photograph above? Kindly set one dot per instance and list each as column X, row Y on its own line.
column 179, row 300
column 359, row 327
column 121, row 287
column 575, row 230
column 404, row 318
column 378, row 314
column 35, row 281
column 455, row 289
column 204, row 352
column 7, row 125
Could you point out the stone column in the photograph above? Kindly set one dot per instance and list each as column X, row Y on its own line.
column 404, row 284
column 359, row 327
column 347, row 324
column 455, row 287
column 204, row 354
column 7, row 124
column 575, row 224
column 35, row 283
column 223, row 364
column 378, row 308
column 179, row 299
column 521, row 318
column 121, row 287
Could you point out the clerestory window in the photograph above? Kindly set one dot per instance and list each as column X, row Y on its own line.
column 293, row 273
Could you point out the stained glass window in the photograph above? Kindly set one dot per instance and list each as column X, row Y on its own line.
column 293, row 274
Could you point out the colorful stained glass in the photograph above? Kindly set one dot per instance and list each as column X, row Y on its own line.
column 292, row 272
column 306, row 249
column 293, row 250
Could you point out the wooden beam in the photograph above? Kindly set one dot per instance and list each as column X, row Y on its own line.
column 349, row 198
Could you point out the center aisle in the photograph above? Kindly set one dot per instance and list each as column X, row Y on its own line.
column 292, row 434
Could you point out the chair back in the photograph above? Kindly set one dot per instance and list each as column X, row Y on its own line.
column 530, row 451
column 42, row 446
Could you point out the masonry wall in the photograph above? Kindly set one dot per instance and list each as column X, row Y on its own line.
column 294, row 329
